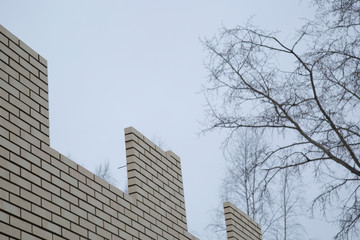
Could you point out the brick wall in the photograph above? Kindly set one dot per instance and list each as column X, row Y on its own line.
column 45, row 195
column 239, row 225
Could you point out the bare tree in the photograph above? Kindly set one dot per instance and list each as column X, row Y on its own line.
column 307, row 90
column 289, row 207
column 103, row 171
column 245, row 185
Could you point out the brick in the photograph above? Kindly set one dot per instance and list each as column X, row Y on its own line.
column 3, row 75
column 39, row 135
column 103, row 232
column 39, row 117
column 9, row 230
column 94, row 202
column 9, row 107
column 18, row 68
column 68, row 179
column 43, row 111
column 9, row 186
column 29, row 67
column 3, row 57
column 8, row 70
column 86, row 224
column 43, row 61
column 16, row 222
column 30, row 120
column 78, row 229
column 31, row 177
column 51, row 227
column 69, row 235
column 4, row 217
column 31, row 197
column 39, row 153
column 85, row 172
column 44, row 129
column 11, row 89
column 75, row 174
column 32, row 158
column 70, row 216
column 42, row 233
column 59, row 165
column 42, row 192
column 39, row 100
column 42, row 211
column 68, row 161
column 50, row 168
column 28, row 236
column 10, row 166
column 102, row 198
column 101, row 214
column 60, row 221
column 43, row 77
column 96, row 220
column 19, row 104
column 28, row 49
column 93, row 185
column 50, row 150
column 86, row 189
column 102, row 182
column 76, row 192
column 36, row 63
column 30, row 217
column 78, row 211
column 9, row 208
column 4, row 173
column 6, row 50
column 111, row 228
column 4, row 194
column 3, row 94
column 4, row 39
column 15, row 47
column 109, row 211
column 60, row 183
column 4, row 152
column 87, row 207
column 19, row 86
column 69, row 197
column 40, row 172
column 19, row 122
column 30, row 138
column 19, row 141
column 29, row 84
column 21, row 182
column 60, row 201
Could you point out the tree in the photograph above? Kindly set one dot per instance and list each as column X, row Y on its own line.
column 245, row 186
column 287, row 225
column 103, row 171
column 307, row 90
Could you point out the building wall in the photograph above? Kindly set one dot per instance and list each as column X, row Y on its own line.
column 45, row 195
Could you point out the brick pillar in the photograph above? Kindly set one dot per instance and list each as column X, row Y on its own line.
column 239, row 226
column 154, row 179
column 24, row 107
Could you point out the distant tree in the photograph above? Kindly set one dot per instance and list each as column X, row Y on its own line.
column 103, row 171
column 245, row 185
column 308, row 90
column 287, row 225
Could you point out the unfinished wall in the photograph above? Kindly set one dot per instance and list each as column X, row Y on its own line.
column 45, row 195
column 239, row 225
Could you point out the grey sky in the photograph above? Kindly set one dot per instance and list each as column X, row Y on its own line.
column 114, row 64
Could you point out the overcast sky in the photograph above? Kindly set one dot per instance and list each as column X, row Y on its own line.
column 114, row 64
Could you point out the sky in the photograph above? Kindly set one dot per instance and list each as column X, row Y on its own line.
column 115, row 64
